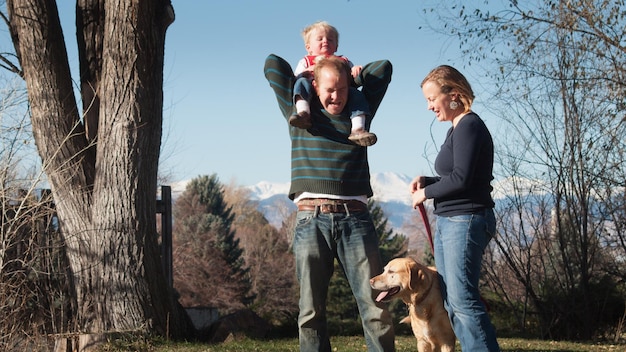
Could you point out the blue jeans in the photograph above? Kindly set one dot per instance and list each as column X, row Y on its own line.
column 352, row 239
column 459, row 245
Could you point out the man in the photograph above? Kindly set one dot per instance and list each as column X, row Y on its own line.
column 330, row 183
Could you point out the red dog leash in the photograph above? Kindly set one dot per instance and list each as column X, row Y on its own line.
column 422, row 210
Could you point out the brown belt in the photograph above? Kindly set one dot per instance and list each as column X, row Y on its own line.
column 326, row 206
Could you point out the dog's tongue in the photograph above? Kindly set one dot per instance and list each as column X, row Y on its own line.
column 381, row 296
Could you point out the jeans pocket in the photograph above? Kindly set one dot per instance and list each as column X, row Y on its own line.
column 303, row 217
column 490, row 223
column 361, row 221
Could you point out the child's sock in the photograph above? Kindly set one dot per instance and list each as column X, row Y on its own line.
column 302, row 106
column 358, row 123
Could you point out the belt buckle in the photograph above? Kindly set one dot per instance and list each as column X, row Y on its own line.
column 329, row 208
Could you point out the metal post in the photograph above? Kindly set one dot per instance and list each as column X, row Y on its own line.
column 164, row 206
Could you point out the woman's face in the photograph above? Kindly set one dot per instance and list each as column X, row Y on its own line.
column 439, row 102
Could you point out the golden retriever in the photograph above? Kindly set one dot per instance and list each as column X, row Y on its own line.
column 418, row 286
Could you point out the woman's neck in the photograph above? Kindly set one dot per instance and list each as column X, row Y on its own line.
column 456, row 120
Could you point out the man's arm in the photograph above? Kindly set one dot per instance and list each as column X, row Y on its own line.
column 279, row 74
column 375, row 78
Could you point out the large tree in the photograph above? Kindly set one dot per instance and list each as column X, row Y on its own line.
column 101, row 160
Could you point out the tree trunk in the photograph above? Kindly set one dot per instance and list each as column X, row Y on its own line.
column 105, row 196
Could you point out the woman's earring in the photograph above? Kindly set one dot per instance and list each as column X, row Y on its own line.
column 454, row 105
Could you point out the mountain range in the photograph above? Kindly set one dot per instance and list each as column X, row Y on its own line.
column 391, row 192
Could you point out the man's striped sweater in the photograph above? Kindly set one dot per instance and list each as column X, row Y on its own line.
column 323, row 160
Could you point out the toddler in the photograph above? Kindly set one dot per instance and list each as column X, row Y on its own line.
column 321, row 40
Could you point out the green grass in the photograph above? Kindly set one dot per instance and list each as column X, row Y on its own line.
column 347, row 344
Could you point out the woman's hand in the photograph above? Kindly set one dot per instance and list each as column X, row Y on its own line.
column 418, row 197
column 416, row 188
column 416, row 184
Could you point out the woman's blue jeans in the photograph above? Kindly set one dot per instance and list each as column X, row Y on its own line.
column 352, row 239
column 459, row 245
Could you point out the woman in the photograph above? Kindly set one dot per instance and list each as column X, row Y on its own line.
column 463, row 205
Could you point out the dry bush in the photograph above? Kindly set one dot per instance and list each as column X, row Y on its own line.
column 34, row 298
column 33, row 285
column 268, row 255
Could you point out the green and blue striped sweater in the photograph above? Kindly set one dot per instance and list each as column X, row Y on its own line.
column 323, row 160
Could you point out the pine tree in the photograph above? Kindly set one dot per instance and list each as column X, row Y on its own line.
column 392, row 245
column 208, row 262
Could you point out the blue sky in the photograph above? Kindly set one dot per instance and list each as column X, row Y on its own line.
column 221, row 115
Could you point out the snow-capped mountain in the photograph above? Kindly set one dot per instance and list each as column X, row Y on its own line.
column 391, row 187
column 391, row 191
column 264, row 190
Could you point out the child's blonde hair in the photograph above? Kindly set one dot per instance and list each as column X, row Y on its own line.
column 306, row 32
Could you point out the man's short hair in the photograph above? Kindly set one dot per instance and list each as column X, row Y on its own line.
column 334, row 63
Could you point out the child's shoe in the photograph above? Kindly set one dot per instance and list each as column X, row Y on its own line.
column 301, row 120
column 363, row 138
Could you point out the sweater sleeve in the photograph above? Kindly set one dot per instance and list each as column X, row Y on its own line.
column 374, row 79
column 429, row 180
column 280, row 76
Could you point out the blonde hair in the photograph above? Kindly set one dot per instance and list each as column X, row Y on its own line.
column 335, row 64
column 306, row 32
column 450, row 80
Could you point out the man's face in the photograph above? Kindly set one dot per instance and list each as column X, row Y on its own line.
column 332, row 90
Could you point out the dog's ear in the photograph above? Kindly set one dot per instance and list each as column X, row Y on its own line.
column 417, row 275
column 414, row 275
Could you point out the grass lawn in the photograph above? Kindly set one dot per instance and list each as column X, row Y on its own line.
column 348, row 344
